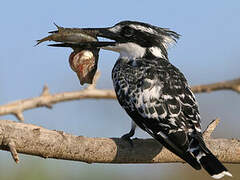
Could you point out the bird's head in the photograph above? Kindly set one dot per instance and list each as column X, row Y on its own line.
column 135, row 39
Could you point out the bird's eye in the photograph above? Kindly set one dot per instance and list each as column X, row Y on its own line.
column 127, row 31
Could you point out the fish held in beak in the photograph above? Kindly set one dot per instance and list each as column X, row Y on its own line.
column 84, row 59
column 70, row 35
column 84, row 63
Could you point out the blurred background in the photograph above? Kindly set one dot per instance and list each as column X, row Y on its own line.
column 207, row 52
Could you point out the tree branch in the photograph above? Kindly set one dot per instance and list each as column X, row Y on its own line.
column 38, row 141
column 11, row 146
column 209, row 130
column 47, row 100
column 233, row 85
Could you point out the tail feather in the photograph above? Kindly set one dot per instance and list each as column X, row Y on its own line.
column 213, row 166
column 208, row 161
column 186, row 156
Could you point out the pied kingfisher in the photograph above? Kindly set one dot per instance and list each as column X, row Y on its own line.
column 154, row 93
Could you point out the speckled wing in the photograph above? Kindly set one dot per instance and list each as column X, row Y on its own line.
column 159, row 100
column 162, row 94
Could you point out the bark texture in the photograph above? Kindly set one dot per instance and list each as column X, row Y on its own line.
column 38, row 141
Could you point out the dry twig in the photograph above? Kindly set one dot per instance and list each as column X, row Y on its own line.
column 209, row 130
column 38, row 141
column 9, row 143
column 47, row 100
column 233, row 85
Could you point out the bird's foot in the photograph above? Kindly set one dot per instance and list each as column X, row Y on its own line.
column 127, row 138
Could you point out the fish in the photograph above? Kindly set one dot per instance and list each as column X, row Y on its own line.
column 84, row 59
column 84, row 63
column 69, row 35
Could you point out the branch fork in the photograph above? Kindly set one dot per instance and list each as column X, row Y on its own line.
column 34, row 140
column 46, row 99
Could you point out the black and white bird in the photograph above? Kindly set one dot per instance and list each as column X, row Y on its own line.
column 155, row 94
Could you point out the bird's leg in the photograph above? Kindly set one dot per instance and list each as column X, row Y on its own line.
column 127, row 137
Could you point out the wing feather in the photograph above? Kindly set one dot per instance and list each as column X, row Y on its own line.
column 159, row 101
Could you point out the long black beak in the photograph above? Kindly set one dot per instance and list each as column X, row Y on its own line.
column 82, row 38
column 82, row 45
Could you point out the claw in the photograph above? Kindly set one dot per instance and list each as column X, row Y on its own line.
column 127, row 138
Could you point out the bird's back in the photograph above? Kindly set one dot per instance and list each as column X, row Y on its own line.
column 159, row 93
column 156, row 96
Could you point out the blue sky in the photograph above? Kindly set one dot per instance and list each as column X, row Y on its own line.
column 208, row 51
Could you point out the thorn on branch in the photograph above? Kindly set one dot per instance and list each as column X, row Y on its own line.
column 45, row 91
column 19, row 116
column 209, row 130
